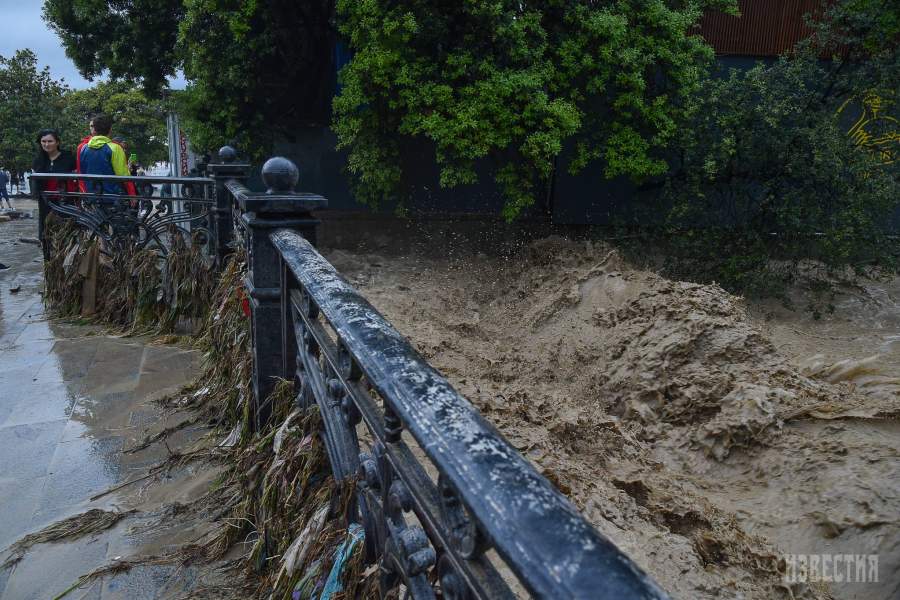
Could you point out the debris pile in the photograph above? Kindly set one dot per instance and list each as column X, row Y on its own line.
column 139, row 290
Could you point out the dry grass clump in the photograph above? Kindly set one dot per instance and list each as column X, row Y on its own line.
column 221, row 395
column 183, row 556
column 297, row 511
column 188, row 282
column 67, row 246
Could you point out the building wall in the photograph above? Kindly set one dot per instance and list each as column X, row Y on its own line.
column 765, row 27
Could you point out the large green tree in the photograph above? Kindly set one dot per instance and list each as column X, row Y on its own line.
column 30, row 100
column 127, row 39
column 256, row 70
column 496, row 82
column 510, row 84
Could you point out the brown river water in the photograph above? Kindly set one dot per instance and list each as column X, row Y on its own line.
column 712, row 439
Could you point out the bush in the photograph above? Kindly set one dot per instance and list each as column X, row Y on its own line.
column 768, row 174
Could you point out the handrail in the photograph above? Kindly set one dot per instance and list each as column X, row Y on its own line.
column 133, row 221
column 272, row 201
column 485, row 497
column 124, row 178
column 551, row 548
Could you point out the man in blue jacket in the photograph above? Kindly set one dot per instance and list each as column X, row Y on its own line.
column 99, row 155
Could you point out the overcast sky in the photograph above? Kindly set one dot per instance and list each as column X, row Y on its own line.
column 21, row 26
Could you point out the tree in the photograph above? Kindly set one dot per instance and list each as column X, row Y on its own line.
column 256, row 70
column 128, row 39
column 511, row 84
column 30, row 100
column 770, row 174
column 138, row 120
column 494, row 80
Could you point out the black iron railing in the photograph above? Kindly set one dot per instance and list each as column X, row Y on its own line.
column 102, row 205
column 443, row 498
column 439, row 486
column 445, row 501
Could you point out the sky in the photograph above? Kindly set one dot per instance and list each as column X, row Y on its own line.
column 21, row 26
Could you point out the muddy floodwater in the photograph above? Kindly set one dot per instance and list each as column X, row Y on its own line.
column 719, row 442
column 714, row 440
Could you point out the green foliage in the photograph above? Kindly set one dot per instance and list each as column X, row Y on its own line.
column 127, row 39
column 769, row 174
column 30, row 99
column 514, row 83
column 138, row 120
column 256, row 70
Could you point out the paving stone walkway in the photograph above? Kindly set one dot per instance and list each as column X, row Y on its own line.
column 71, row 399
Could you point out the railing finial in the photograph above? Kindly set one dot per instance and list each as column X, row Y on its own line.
column 227, row 154
column 280, row 175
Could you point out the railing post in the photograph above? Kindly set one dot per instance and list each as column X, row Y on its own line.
column 262, row 213
column 222, row 223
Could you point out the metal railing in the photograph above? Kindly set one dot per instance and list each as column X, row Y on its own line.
column 444, row 500
column 465, row 492
column 102, row 205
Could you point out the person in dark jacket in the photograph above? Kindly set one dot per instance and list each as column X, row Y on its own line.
column 50, row 159
column 4, row 179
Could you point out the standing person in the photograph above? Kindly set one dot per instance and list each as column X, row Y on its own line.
column 50, row 158
column 4, row 179
column 14, row 180
column 99, row 155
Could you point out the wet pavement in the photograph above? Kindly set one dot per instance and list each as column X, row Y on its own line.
column 71, row 400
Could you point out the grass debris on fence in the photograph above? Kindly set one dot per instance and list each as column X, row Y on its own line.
column 304, row 543
column 221, row 393
column 283, row 502
column 139, row 290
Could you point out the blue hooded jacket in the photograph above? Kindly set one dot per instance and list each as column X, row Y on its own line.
column 102, row 156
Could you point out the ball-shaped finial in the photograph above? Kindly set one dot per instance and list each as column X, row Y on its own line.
column 227, row 154
column 280, row 175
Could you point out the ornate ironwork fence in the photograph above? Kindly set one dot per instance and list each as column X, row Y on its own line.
column 101, row 205
column 445, row 501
